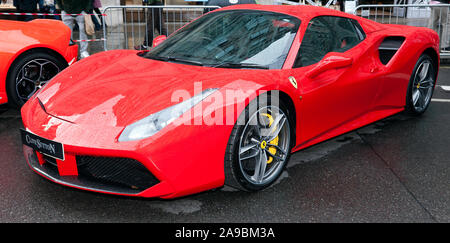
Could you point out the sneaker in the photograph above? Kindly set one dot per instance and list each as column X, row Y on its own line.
column 84, row 54
column 141, row 47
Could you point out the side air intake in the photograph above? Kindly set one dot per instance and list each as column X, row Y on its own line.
column 389, row 47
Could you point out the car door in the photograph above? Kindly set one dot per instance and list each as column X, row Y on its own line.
column 332, row 67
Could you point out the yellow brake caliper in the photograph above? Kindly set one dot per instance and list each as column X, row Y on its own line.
column 271, row 149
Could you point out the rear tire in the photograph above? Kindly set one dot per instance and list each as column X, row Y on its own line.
column 29, row 73
column 262, row 135
column 421, row 86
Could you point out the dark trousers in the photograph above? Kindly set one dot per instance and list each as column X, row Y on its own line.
column 98, row 25
column 29, row 6
column 25, row 17
column 155, row 20
column 341, row 5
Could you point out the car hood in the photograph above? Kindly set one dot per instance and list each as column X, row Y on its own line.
column 117, row 88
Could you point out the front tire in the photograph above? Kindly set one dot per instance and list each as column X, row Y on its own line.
column 29, row 73
column 421, row 86
column 259, row 146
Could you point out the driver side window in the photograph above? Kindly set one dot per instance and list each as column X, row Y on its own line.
column 327, row 34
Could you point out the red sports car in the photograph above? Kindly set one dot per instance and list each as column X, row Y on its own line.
column 224, row 100
column 31, row 53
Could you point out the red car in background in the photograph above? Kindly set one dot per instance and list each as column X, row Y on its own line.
column 31, row 53
column 224, row 100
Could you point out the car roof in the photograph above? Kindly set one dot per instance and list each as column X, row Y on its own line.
column 307, row 12
column 299, row 11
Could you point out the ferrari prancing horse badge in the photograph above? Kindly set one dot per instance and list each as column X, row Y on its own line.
column 293, row 81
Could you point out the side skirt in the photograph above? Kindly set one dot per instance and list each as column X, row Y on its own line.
column 354, row 124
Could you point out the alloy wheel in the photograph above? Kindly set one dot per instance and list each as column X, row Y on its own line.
column 33, row 76
column 264, row 145
column 423, row 85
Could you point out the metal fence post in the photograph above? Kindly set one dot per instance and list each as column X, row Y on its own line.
column 127, row 34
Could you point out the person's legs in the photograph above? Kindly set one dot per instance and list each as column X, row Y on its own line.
column 341, row 5
column 95, row 20
column 32, row 8
column 41, row 8
column 26, row 17
column 159, row 22
column 83, row 36
column 68, row 21
column 20, row 17
column 29, row 17
column 150, row 27
column 99, row 15
column 154, row 21
column 52, row 9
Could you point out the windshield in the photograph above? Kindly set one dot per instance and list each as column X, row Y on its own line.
column 232, row 39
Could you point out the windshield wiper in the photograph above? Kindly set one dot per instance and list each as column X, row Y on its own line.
column 175, row 59
column 241, row 65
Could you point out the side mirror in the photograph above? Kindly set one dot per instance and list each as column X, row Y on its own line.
column 332, row 60
column 158, row 40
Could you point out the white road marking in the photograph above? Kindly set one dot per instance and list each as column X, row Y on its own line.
column 441, row 100
column 445, row 87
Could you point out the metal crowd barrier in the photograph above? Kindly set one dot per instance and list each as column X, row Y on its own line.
column 128, row 26
column 434, row 16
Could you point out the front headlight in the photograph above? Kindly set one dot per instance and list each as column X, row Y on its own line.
column 152, row 124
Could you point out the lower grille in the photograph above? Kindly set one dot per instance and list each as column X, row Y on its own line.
column 109, row 174
column 49, row 160
column 120, row 171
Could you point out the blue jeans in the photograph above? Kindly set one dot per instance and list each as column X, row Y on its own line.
column 48, row 9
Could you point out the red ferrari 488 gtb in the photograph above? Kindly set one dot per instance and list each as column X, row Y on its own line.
column 224, row 100
column 31, row 53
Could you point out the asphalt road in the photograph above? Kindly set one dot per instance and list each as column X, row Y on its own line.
column 396, row 170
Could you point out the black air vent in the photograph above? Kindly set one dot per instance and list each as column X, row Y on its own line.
column 118, row 171
column 389, row 47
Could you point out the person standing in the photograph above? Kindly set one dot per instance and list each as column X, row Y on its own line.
column 70, row 10
column 26, row 6
column 439, row 22
column 341, row 5
column 96, row 5
column 154, row 20
column 48, row 6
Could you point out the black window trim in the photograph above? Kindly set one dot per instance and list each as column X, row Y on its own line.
column 358, row 29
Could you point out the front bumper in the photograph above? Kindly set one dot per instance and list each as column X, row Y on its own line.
column 110, row 175
column 185, row 159
column 71, row 54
